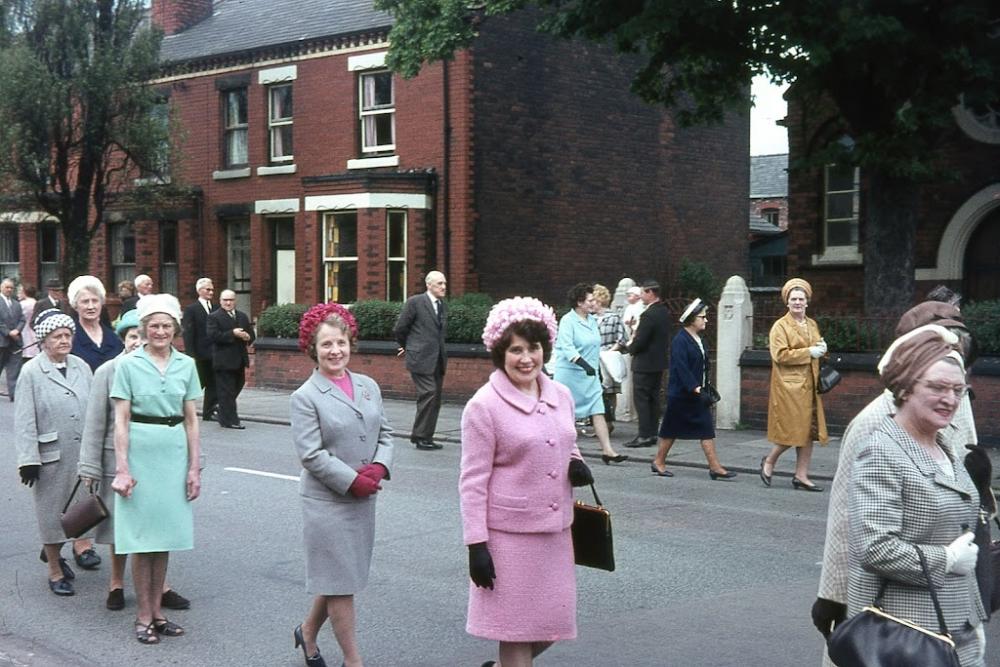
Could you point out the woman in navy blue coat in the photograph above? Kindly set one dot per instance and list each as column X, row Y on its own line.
column 689, row 415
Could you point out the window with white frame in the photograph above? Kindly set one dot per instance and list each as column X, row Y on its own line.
column 340, row 256
column 378, row 112
column 10, row 257
column 235, row 128
column 841, row 205
column 772, row 215
column 279, row 122
column 48, row 253
column 121, row 238
column 168, row 257
column 395, row 253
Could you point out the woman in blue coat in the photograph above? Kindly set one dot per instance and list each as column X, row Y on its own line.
column 578, row 356
column 689, row 415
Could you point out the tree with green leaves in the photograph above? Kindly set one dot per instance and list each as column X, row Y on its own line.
column 78, row 123
column 891, row 72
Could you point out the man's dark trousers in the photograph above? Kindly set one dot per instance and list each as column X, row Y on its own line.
column 646, row 398
column 428, row 402
column 228, row 385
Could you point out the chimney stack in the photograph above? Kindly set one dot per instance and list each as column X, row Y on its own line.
column 174, row 16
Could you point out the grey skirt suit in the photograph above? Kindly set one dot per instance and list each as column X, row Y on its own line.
column 49, row 411
column 334, row 437
column 97, row 450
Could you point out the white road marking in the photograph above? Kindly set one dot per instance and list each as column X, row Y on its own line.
column 262, row 473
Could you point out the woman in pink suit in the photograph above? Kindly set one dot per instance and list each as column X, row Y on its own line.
column 519, row 461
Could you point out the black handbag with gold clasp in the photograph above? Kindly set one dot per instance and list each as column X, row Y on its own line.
column 593, row 545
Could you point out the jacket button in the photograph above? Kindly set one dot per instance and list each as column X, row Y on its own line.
column 541, row 411
column 358, row 416
column 362, row 437
column 552, row 474
column 552, row 443
column 554, row 506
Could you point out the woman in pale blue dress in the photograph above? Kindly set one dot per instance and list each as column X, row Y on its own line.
column 578, row 356
column 156, row 459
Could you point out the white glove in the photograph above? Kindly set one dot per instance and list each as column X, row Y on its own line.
column 961, row 554
column 821, row 345
column 817, row 351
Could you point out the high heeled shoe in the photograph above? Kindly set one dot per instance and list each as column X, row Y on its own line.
column 617, row 458
column 802, row 486
column 660, row 473
column 721, row 475
column 316, row 660
column 764, row 478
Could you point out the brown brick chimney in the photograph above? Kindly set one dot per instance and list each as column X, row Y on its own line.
column 174, row 16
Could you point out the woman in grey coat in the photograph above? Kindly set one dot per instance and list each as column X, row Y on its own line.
column 910, row 492
column 344, row 441
column 49, row 406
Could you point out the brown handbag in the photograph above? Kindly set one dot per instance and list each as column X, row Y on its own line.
column 593, row 545
column 84, row 515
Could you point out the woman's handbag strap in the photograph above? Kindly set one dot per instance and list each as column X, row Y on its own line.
column 930, row 587
column 70, row 499
column 597, row 498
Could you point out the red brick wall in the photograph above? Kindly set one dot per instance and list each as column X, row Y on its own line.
column 577, row 179
column 856, row 390
column 757, row 207
column 173, row 16
column 288, row 369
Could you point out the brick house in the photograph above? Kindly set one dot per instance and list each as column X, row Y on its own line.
column 958, row 227
column 309, row 172
column 768, row 221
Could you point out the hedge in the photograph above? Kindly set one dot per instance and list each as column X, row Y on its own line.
column 376, row 319
column 983, row 320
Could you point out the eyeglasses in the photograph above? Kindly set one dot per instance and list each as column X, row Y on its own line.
column 940, row 390
column 702, row 317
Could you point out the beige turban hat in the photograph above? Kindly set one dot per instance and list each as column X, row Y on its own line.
column 796, row 283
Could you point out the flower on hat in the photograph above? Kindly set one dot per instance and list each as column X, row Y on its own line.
column 517, row 309
column 316, row 315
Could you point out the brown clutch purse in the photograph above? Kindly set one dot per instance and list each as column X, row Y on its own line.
column 593, row 545
column 84, row 515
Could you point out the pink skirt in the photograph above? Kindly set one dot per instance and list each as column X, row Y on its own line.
column 534, row 595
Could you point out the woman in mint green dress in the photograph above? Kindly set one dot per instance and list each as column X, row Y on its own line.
column 156, row 458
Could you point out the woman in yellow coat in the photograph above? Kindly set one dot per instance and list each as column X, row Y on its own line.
column 795, row 411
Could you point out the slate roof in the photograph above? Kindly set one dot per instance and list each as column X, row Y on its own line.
column 768, row 176
column 759, row 225
column 242, row 25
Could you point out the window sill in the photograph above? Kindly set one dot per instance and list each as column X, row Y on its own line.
column 276, row 169
column 154, row 180
column 370, row 162
column 227, row 174
column 840, row 255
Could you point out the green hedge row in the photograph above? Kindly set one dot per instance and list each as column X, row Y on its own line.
column 376, row 319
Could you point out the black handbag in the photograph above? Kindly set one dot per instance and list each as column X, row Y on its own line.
column 873, row 638
column 710, row 394
column 593, row 545
column 828, row 378
column 84, row 515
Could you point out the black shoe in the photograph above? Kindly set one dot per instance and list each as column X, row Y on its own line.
column 764, row 478
column 88, row 559
column 802, row 486
column 617, row 458
column 116, row 599
column 174, row 600
column 210, row 417
column 314, row 661
column 721, row 475
column 61, row 587
column 641, row 442
column 426, row 445
column 238, row 427
column 660, row 473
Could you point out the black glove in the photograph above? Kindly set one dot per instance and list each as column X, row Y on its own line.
column 29, row 474
column 587, row 368
column 579, row 473
column 980, row 469
column 826, row 614
column 481, row 566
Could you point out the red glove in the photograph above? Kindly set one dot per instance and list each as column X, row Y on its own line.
column 363, row 486
column 375, row 471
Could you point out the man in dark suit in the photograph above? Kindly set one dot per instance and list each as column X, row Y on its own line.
column 11, row 324
column 143, row 286
column 231, row 333
column 648, row 348
column 420, row 332
column 198, row 345
column 55, row 298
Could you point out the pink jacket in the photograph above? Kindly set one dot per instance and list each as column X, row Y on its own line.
column 515, row 459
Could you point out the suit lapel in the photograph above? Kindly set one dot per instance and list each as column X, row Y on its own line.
column 326, row 387
column 927, row 466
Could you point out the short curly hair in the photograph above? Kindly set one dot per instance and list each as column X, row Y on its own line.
column 578, row 293
column 532, row 331
column 602, row 295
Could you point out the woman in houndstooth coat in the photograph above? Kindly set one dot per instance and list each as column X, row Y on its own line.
column 909, row 491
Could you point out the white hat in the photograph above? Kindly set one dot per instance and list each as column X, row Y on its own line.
column 695, row 306
column 89, row 283
column 635, row 289
column 159, row 303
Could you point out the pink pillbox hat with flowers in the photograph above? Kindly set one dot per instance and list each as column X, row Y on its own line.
column 517, row 309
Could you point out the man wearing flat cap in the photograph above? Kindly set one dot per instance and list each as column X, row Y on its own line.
column 55, row 298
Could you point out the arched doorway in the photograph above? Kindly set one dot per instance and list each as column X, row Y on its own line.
column 982, row 260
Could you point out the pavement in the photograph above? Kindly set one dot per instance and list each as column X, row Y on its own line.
column 738, row 450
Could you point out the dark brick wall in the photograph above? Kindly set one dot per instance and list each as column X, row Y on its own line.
column 173, row 16
column 577, row 179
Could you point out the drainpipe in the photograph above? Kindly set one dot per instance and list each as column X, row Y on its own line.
column 446, row 170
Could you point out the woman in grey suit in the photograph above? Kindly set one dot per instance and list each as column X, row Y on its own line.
column 49, row 406
column 344, row 441
column 909, row 491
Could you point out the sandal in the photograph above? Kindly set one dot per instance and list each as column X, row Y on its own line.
column 145, row 634
column 167, row 628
